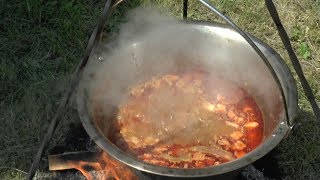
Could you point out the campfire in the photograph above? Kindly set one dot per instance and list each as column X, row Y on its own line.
column 93, row 165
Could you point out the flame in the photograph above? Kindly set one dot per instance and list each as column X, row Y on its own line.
column 105, row 168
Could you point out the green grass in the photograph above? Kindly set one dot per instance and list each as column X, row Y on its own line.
column 42, row 41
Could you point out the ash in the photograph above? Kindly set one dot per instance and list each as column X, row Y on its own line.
column 70, row 175
column 251, row 173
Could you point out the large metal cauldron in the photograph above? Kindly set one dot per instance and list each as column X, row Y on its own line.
column 276, row 126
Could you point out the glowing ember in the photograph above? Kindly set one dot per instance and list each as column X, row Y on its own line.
column 104, row 168
column 188, row 120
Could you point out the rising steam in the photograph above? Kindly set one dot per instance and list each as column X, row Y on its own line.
column 151, row 44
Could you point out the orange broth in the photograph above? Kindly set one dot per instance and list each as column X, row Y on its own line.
column 188, row 120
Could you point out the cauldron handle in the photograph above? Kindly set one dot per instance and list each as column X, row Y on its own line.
column 286, row 41
column 290, row 121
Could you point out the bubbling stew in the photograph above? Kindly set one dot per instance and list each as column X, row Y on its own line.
column 187, row 120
